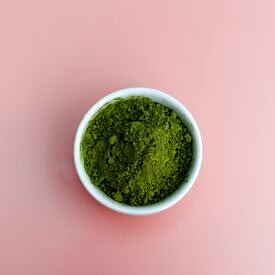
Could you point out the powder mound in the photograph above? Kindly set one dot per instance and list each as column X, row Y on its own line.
column 136, row 151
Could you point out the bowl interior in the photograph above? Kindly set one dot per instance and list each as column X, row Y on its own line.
column 167, row 202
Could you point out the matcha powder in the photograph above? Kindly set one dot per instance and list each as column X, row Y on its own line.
column 136, row 151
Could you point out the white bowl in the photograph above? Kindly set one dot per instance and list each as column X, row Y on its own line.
column 188, row 120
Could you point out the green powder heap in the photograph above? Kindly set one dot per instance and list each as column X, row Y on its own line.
column 136, row 151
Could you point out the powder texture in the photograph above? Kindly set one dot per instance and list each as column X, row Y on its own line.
column 136, row 151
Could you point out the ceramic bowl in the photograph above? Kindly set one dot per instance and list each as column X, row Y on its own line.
column 175, row 197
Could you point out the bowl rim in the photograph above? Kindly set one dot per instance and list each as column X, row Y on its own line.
column 157, row 96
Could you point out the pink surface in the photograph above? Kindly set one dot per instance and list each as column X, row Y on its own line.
column 58, row 57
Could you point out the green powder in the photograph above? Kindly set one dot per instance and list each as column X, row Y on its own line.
column 136, row 151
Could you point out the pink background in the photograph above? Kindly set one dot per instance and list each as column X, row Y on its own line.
column 58, row 57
